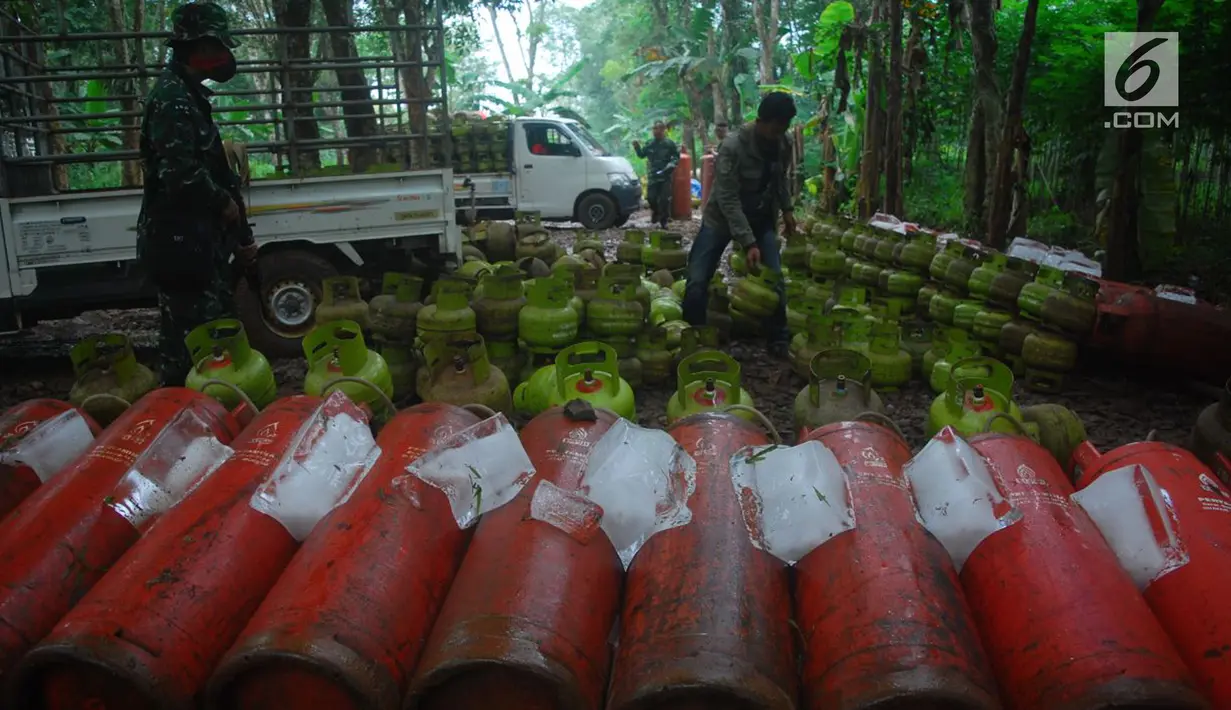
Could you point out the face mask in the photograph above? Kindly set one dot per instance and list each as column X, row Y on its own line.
column 219, row 67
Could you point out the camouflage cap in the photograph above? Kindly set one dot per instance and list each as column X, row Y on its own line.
column 201, row 19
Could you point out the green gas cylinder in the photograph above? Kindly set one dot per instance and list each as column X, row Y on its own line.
column 923, row 304
column 978, row 396
column 656, row 360
column 1007, row 285
column 628, row 251
column 547, row 321
column 336, row 350
column 797, row 316
column 949, row 345
column 459, row 373
column 108, row 376
column 340, row 300
column 852, row 299
column 900, row 283
column 505, row 355
column 679, row 286
column 846, row 240
column 827, row 261
column 533, row 268
column 820, row 333
column 474, row 270
column 891, row 365
column 1012, row 339
column 675, row 332
column 587, row 371
column 665, row 251
column 450, row 314
column 839, row 390
column 615, row 310
column 585, row 284
column 1060, row 430
column 1047, row 357
column 569, row 263
column 795, row 255
column 821, row 290
column 538, row 246
column 980, row 282
column 957, row 274
column 694, row 339
column 1072, row 309
column 865, row 243
column 916, row 340
column 866, row 273
column 499, row 304
column 987, row 325
column 586, row 239
column 220, row 351
column 755, row 295
column 394, row 312
column 664, row 307
column 708, row 381
column 964, row 314
column 501, row 243
column 403, row 363
column 888, row 245
column 943, row 258
column 634, row 273
column 918, row 253
column 1030, row 299
column 943, row 305
column 737, row 261
column 856, row 332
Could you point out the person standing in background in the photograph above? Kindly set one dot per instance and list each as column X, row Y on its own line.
column 192, row 214
column 661, row 156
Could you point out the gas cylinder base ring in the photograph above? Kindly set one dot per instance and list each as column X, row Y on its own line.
column 522, row 657
column 118, row 664
column 322, row 657
column 701, row 680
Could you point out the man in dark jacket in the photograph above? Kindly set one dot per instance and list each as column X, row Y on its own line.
column 750, row 190
column 661, row 155
column 192, row 218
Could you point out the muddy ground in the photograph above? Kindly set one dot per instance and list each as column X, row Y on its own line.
column 1116, row 409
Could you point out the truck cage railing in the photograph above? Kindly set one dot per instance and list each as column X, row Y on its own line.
column 396, row 119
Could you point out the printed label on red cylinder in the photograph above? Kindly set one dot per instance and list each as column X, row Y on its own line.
column 642, row 480
column 794, row 499
column 957, row 499
column 332, row 453
column 51, row 445
column 183, row 455
column 478, row 469
column 1137, row 519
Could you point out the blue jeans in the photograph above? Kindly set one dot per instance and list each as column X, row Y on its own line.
column 703, row 260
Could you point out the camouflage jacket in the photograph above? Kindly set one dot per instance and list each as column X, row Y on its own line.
column 659, row 155
column 186, row 171
column 750, row 189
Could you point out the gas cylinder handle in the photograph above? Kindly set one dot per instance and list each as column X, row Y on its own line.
column 883, row 420
column 243, row 396
column 1021, row 428
column 384, row 398
column 588, row 356
column 995, row 370
column 764, row 421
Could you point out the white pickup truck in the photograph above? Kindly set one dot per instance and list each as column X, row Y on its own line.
column 66, row 252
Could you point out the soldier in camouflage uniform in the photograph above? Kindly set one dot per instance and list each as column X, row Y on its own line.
column 661, row 156
column 192, row 218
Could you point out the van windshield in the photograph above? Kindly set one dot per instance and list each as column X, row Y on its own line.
column 586, row 137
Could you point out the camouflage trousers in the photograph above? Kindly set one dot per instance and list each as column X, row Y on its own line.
column 180, row 313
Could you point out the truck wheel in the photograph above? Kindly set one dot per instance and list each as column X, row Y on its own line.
column 284, row 311
column 597, row 211
column 621, row 220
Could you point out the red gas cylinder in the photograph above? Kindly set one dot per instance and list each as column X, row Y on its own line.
column 681, row 188
column 1140, row 329
column 19, row 480
column 1062, row 623
column 57, row 544
column 708, row 162
column 528, row 620
column 148, row 636
column 349, row 637
column 880, row 607
column 706, row 618
column 1189, row 596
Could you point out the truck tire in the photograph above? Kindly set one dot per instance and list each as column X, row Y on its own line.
column 621, row 220
column 597, row 211
column 277, row 318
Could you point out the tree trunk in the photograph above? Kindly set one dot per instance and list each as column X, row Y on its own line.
column 130, row 170
column 916, row 62
column 985, row 117
column 872, row 159
column 765, row 14
column 1020, row 216
column 1123, row 253
column 359, row 118
column 504, row 57
column 1011, row 136
column 717, row 85
column 893, row 114
column 297, row 84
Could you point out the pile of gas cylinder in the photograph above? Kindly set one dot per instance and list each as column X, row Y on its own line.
column 190, row 554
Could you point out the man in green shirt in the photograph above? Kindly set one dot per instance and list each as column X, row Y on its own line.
column 750, row 190
column 661, row 155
